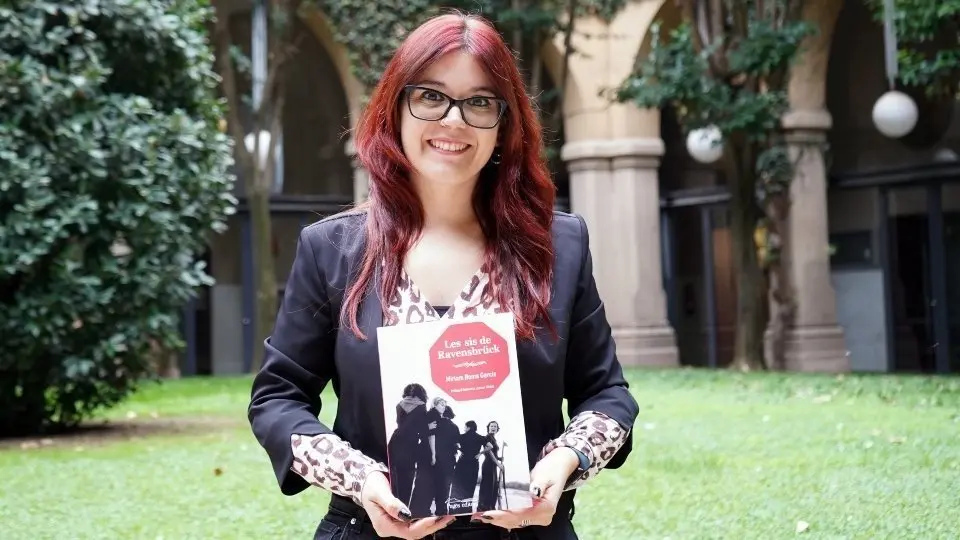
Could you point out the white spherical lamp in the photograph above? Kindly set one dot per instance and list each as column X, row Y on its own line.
column 705, row 144
column 895, row 114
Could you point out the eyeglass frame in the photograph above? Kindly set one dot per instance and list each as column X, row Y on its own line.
column 458, row 103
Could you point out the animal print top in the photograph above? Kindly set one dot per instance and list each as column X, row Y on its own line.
column 329, row 462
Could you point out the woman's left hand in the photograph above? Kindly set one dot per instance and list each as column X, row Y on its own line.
column 547, row 480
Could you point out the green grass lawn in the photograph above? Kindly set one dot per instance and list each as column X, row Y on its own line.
column 717, row 455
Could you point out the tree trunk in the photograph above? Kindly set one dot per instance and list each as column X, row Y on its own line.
column 265, row 275
column 516, row 7
column 781, row 300
column 751, row 297
column 165, row 362
column 257, row 183
column 24, row 401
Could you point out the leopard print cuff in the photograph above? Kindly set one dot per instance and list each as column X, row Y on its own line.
column 597, row 436
column 330, row 463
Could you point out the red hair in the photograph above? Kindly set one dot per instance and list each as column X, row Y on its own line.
column 513, row 200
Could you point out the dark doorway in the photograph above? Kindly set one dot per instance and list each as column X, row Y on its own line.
column 918, row 281
column 910, row 275
column 951, row 239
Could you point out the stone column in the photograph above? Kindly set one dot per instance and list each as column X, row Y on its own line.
column 614, row 186
column 814, row 342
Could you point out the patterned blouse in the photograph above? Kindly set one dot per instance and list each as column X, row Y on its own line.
column 329, row 462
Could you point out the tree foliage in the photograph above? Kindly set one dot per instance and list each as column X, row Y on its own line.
column 726, row 65
column 113, row 175
column 927, row 32
column 735, row 81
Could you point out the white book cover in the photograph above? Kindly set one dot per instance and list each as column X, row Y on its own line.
column 453, row 415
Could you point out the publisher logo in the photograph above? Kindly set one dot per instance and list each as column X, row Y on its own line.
column 469, row 361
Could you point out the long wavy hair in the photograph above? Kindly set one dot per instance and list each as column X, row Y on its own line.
column 513, row 200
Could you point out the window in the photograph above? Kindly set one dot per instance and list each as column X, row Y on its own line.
column 852, row 249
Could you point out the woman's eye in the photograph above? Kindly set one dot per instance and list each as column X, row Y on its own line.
column 431, row 96
column 479, row 102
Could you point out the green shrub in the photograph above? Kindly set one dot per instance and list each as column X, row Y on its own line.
column 114, row 175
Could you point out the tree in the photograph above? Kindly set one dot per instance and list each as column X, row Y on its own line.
column 265, row 104
column 928, row 57
column 113, row 177
column 726, row 66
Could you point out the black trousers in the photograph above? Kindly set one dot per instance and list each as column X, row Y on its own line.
column 347, row 521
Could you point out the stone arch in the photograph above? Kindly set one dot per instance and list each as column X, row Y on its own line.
column 598, row 64
column 354, row 90
column 677, row 169
column 316, row 121
column 668, row 16
column 630, row 31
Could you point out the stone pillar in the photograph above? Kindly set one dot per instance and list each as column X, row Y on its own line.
column 614, row 186
column 814, row 342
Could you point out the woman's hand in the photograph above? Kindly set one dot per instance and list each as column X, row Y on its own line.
column 547, row 480
column 390, row 517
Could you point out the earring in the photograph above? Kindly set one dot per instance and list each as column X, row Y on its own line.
column 496, row 158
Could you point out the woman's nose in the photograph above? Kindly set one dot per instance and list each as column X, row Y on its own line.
column 454, row 118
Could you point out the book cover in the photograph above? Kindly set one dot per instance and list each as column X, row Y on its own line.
column 453, row 414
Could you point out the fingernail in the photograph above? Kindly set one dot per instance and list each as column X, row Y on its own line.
column 405, row 514
column 486, row 517
column 536, row 491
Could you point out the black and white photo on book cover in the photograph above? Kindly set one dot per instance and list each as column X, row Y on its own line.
column 453, row 414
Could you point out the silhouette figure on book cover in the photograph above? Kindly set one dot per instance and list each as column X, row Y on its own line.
column 437, row 470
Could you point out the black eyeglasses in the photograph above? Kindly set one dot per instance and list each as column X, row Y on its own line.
column 483, row 112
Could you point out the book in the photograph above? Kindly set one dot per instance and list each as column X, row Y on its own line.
column 453, row 415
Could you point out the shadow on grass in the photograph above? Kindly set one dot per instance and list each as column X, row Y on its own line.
column 109, row 431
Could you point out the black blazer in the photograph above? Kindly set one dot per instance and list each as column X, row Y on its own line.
column 308, row 349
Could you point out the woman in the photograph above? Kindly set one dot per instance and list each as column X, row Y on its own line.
column 490, row 471
column 459, row 221
column 427, row 459
column 446, row 436
column 412, row 428
column 465, row 474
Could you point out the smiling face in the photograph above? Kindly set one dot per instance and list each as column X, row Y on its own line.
column 449, row 150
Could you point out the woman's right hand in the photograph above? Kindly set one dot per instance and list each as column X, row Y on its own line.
column 390, row 517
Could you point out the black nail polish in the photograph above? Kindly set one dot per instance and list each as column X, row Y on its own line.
column 405, row 515
column 536, row 491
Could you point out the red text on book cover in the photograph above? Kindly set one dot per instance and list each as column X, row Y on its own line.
column 469, row 361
